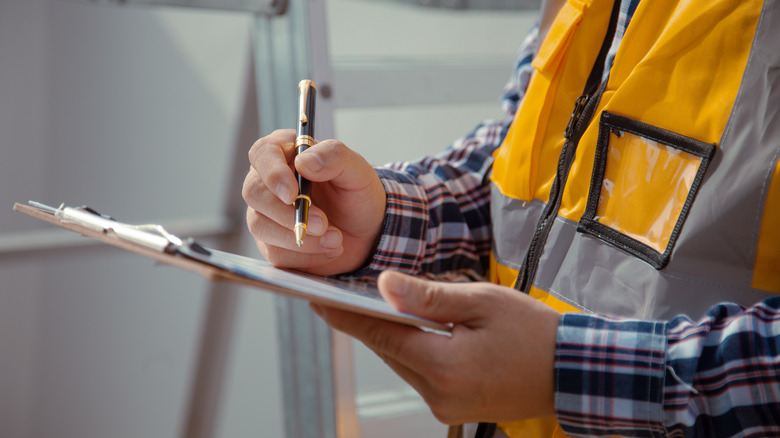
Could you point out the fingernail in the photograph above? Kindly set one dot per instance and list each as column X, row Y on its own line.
column 316, row 225
column 331, row 239
column 311, row 161
column 283, row 193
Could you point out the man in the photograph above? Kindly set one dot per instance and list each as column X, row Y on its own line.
column 638, row 179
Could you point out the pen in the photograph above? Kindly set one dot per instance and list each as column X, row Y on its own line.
column 304, row 139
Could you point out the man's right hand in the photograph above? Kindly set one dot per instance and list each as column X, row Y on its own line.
column 347, row 212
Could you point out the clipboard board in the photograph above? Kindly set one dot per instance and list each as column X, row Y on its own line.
column 154, row 242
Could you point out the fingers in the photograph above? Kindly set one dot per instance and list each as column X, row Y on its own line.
column 331, row 160
column 279, row 246
column 421, row 359
column 496, row 366
column 347, row 211
column 259, row 198
column 359, row 326
column 406, row 345
column 389, row 340
column 268, row 189
column 271, row 156
column 271, row 222
column 312, row 263
column 444, row 302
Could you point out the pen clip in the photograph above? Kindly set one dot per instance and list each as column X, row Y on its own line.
column 304, row 87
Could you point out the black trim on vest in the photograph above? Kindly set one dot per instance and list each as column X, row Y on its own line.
column 584, row 110
column 485, row 430
column 609, row 123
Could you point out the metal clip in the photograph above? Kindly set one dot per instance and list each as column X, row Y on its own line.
column 304, row 86
column 152, row 236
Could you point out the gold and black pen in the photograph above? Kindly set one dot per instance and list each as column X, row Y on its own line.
column 304, row 140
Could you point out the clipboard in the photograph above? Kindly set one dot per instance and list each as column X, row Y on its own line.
column 155, row 242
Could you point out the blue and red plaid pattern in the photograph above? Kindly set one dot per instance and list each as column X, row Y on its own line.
column 718, row 377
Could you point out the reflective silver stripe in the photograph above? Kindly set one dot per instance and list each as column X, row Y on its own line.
column 595, row 277
column 514, row 222
column 715, row 253
column 729, row 206
column 599, row 278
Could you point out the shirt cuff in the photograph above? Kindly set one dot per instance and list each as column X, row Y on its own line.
column 401, row 245
column 609, row 376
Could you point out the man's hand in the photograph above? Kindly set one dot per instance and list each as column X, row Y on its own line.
column 348, row 204
column 496, row 366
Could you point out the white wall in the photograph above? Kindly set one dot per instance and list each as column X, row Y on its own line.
column 133, row 111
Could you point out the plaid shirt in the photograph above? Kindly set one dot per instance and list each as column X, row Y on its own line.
column 718, row 377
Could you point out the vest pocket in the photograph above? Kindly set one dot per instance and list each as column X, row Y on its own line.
column 644, row 181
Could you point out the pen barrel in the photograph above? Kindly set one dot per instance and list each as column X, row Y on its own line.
column 301, row 211
column 303, row 201
column 304, row 139
column 304, row 185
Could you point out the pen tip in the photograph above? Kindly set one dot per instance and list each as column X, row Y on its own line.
column 300, row 232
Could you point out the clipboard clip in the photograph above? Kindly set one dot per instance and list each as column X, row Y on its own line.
column 152, row 236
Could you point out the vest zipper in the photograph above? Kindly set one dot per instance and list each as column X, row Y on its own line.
column 584, row 109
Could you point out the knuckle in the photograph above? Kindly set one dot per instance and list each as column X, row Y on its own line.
column 382, row 344
column 266, row 147
column 252, row 220
column 246, row 191
column 250, row 187
column 336, row 145
column 333, row 149
column 256, row 149
column 271, row 253
column 276, row 176
column 431, row 296
column 258, row 224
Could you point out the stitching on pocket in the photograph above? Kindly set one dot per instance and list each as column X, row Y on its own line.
column 589, row 223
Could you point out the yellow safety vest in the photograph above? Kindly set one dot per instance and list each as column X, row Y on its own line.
column 660, row 193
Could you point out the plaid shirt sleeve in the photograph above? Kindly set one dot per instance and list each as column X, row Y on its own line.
column 717, row 377
column 437, row 220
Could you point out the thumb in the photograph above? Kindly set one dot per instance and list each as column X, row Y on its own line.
column 333, row 161
column 443, row 302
